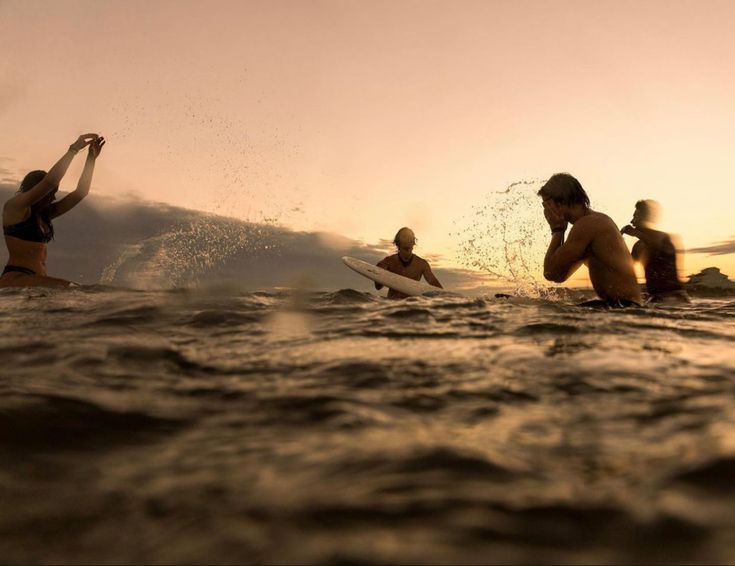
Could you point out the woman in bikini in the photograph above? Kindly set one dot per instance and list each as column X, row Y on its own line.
column 27, row 217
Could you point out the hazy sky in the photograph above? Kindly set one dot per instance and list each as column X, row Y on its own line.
column 359, row 117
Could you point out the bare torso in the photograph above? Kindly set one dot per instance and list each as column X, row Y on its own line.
column 658, row 257
column 30, row 256
column 609, row 261
column 413, row 270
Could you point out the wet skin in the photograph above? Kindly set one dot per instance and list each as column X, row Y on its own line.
column 594, row 240
column 417, row 267
column 32, row 255
column 656, row 251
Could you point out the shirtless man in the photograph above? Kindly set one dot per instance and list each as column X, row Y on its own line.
column 406, row 263
column 593, row 240
column 657, row 253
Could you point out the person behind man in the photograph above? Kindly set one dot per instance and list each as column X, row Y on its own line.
column 657, row 253
column 406, row 263
column 594, row 240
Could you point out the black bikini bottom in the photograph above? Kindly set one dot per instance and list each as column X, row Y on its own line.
column 11, row 268
column 609, row 304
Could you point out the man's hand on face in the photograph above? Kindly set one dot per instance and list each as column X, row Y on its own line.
column 554, row 217
column 630, row 230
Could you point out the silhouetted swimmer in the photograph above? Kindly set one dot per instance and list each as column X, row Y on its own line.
column 657, row 253
column 593, row 240
column 406, row 263
column 27, row 217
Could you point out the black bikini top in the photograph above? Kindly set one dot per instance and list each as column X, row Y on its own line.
column 30, row 230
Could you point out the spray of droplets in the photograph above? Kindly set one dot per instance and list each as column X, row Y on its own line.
column 247, row 176
column 190, row 254
column 506, row 237
column 246, row 159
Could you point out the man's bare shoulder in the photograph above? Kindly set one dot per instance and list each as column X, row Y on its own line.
column 662, row 236
column 595, row 221
column 421, row 260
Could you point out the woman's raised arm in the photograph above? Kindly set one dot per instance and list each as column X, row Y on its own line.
column 85, row 181
column 53, row 177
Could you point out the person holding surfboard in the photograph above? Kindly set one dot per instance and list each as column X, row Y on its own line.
column 406, row 263
column 27, row 216
column 593, row 240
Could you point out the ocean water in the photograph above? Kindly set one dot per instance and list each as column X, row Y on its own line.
column 228, row 427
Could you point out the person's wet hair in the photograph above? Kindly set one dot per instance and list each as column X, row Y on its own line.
column 648, row 210
column 564, row 189
column 31, row 180
column 396, row 239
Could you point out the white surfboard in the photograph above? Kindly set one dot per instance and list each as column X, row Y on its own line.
column 392, row 280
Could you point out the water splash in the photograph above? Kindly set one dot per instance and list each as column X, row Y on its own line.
column 233, row 159
column 185, row 255
column 506, row 236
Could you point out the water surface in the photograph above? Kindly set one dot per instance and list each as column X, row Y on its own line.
column 191, row 426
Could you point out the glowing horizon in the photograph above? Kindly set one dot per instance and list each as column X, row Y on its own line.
column 358, row 118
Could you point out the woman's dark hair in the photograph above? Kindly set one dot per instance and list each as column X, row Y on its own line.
column 28, row 182
column 31, row 180
column 564, row 189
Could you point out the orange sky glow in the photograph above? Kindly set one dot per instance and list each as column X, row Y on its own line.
column 359, row 117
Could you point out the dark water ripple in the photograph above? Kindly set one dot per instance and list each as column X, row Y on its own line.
column 195, row 426
column 715, row 476
column 37, row 424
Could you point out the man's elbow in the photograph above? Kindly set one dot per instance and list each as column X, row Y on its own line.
column 554, row 276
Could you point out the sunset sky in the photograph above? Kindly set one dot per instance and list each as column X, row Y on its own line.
column 359, row 117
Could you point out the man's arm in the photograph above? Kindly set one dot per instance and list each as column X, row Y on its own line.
column 637, row 251
column 564, row 257
column 430, row 277
column 652, row 238
column 383, row 264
